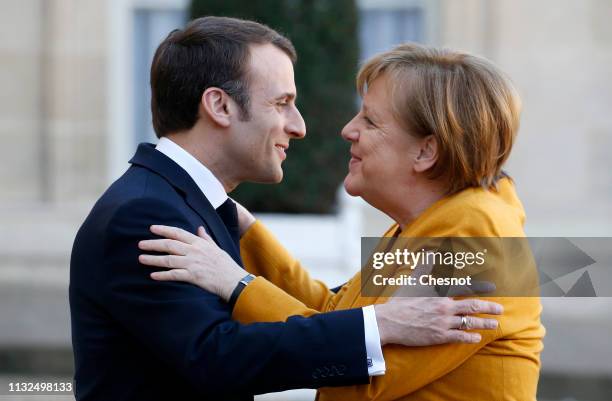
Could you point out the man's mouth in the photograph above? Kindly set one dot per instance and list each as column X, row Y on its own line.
column 282, row 149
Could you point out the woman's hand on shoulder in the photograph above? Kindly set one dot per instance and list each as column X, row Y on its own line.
column 245, row 219
column 190, row 258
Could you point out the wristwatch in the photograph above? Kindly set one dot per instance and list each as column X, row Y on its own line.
column 239, row 287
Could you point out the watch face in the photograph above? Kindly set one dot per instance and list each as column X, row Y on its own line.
column 247, row 279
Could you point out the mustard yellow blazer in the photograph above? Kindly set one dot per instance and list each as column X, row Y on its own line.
column 503, row 366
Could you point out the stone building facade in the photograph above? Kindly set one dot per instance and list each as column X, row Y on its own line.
column 69, row 104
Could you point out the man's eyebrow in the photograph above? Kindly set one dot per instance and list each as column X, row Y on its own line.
column 286, row 95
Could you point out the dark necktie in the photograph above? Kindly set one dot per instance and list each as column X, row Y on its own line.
column 229, row 214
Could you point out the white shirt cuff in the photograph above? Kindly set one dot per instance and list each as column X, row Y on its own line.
column 376, row 361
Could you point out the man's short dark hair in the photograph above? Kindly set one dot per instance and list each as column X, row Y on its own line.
column 209, row 52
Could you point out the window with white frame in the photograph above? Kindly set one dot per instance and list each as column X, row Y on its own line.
column 386, row 23
column 382, row 29
column 151, row 26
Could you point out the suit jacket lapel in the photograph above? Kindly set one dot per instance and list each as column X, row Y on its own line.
column 146, row 156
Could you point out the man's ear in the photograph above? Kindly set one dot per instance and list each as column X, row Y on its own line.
column 428, row 154
column 216, row 104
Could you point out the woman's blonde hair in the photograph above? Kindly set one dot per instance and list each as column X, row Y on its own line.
column 464, row 101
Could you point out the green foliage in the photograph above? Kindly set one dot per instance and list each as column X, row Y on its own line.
column 324, row 33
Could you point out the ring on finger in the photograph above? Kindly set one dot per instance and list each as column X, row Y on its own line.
column 464, row 323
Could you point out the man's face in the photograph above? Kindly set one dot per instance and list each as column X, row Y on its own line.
column 259, row 145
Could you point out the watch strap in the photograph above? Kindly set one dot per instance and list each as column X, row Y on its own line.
column 239, row 287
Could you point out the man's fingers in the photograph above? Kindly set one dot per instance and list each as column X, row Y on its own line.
column 483, row 287
column 473, row 323
column 460, row 336
column 172, row 275
column 170, row 246
column 460, row 291
column 174, row 233
column 423, row 291
column 477, row 287
column 474, row 306
column 167, row 261
column 422, row 270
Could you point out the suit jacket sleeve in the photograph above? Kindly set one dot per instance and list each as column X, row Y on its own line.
column 192, row 329
column 263, row 255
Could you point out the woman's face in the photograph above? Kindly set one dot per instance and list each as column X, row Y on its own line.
column 382, row 152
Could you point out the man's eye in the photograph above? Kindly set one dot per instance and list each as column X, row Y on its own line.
column 368, row 121
column 284, row 103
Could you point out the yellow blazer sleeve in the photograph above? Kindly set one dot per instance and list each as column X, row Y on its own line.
column 470, row 370
column 458, row 368
column 408, row 370
column 264, row 256
column 278, row 306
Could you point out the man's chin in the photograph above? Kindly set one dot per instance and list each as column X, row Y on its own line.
column 277, row 176
column 272, row 178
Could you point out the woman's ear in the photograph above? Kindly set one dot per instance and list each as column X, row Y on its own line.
column 428, row 154
column 216, row 104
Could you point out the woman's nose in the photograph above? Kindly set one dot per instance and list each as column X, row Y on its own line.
column 350, row 132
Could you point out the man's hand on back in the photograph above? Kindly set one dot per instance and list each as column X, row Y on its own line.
column 431, row 321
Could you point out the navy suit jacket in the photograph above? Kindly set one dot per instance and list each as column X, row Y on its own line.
column 135, row 338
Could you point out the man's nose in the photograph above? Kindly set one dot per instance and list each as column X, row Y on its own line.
column 296, row 127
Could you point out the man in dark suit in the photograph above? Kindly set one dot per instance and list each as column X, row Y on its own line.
column 223, row 106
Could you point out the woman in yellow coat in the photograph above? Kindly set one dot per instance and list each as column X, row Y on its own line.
column 427, row 148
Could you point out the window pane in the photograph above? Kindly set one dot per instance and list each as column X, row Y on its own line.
column 382, row 29
column 150, row 28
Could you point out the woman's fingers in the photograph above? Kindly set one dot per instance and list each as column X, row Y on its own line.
column 245, row 218
column 174, row 233
column 170, row 246
column 173, row 275
column 203, row 234
column 167, row 261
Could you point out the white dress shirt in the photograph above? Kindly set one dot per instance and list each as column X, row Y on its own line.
column 213, row 190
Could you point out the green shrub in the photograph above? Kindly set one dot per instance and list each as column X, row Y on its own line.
column 324, row 33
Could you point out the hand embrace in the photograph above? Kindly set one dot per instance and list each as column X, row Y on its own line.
column 431, row 321
column 194, row 259
column 417, row 316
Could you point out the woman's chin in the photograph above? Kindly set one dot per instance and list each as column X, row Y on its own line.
column 350, row 186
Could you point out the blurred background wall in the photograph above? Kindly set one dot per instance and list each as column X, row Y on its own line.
column 74, row 104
